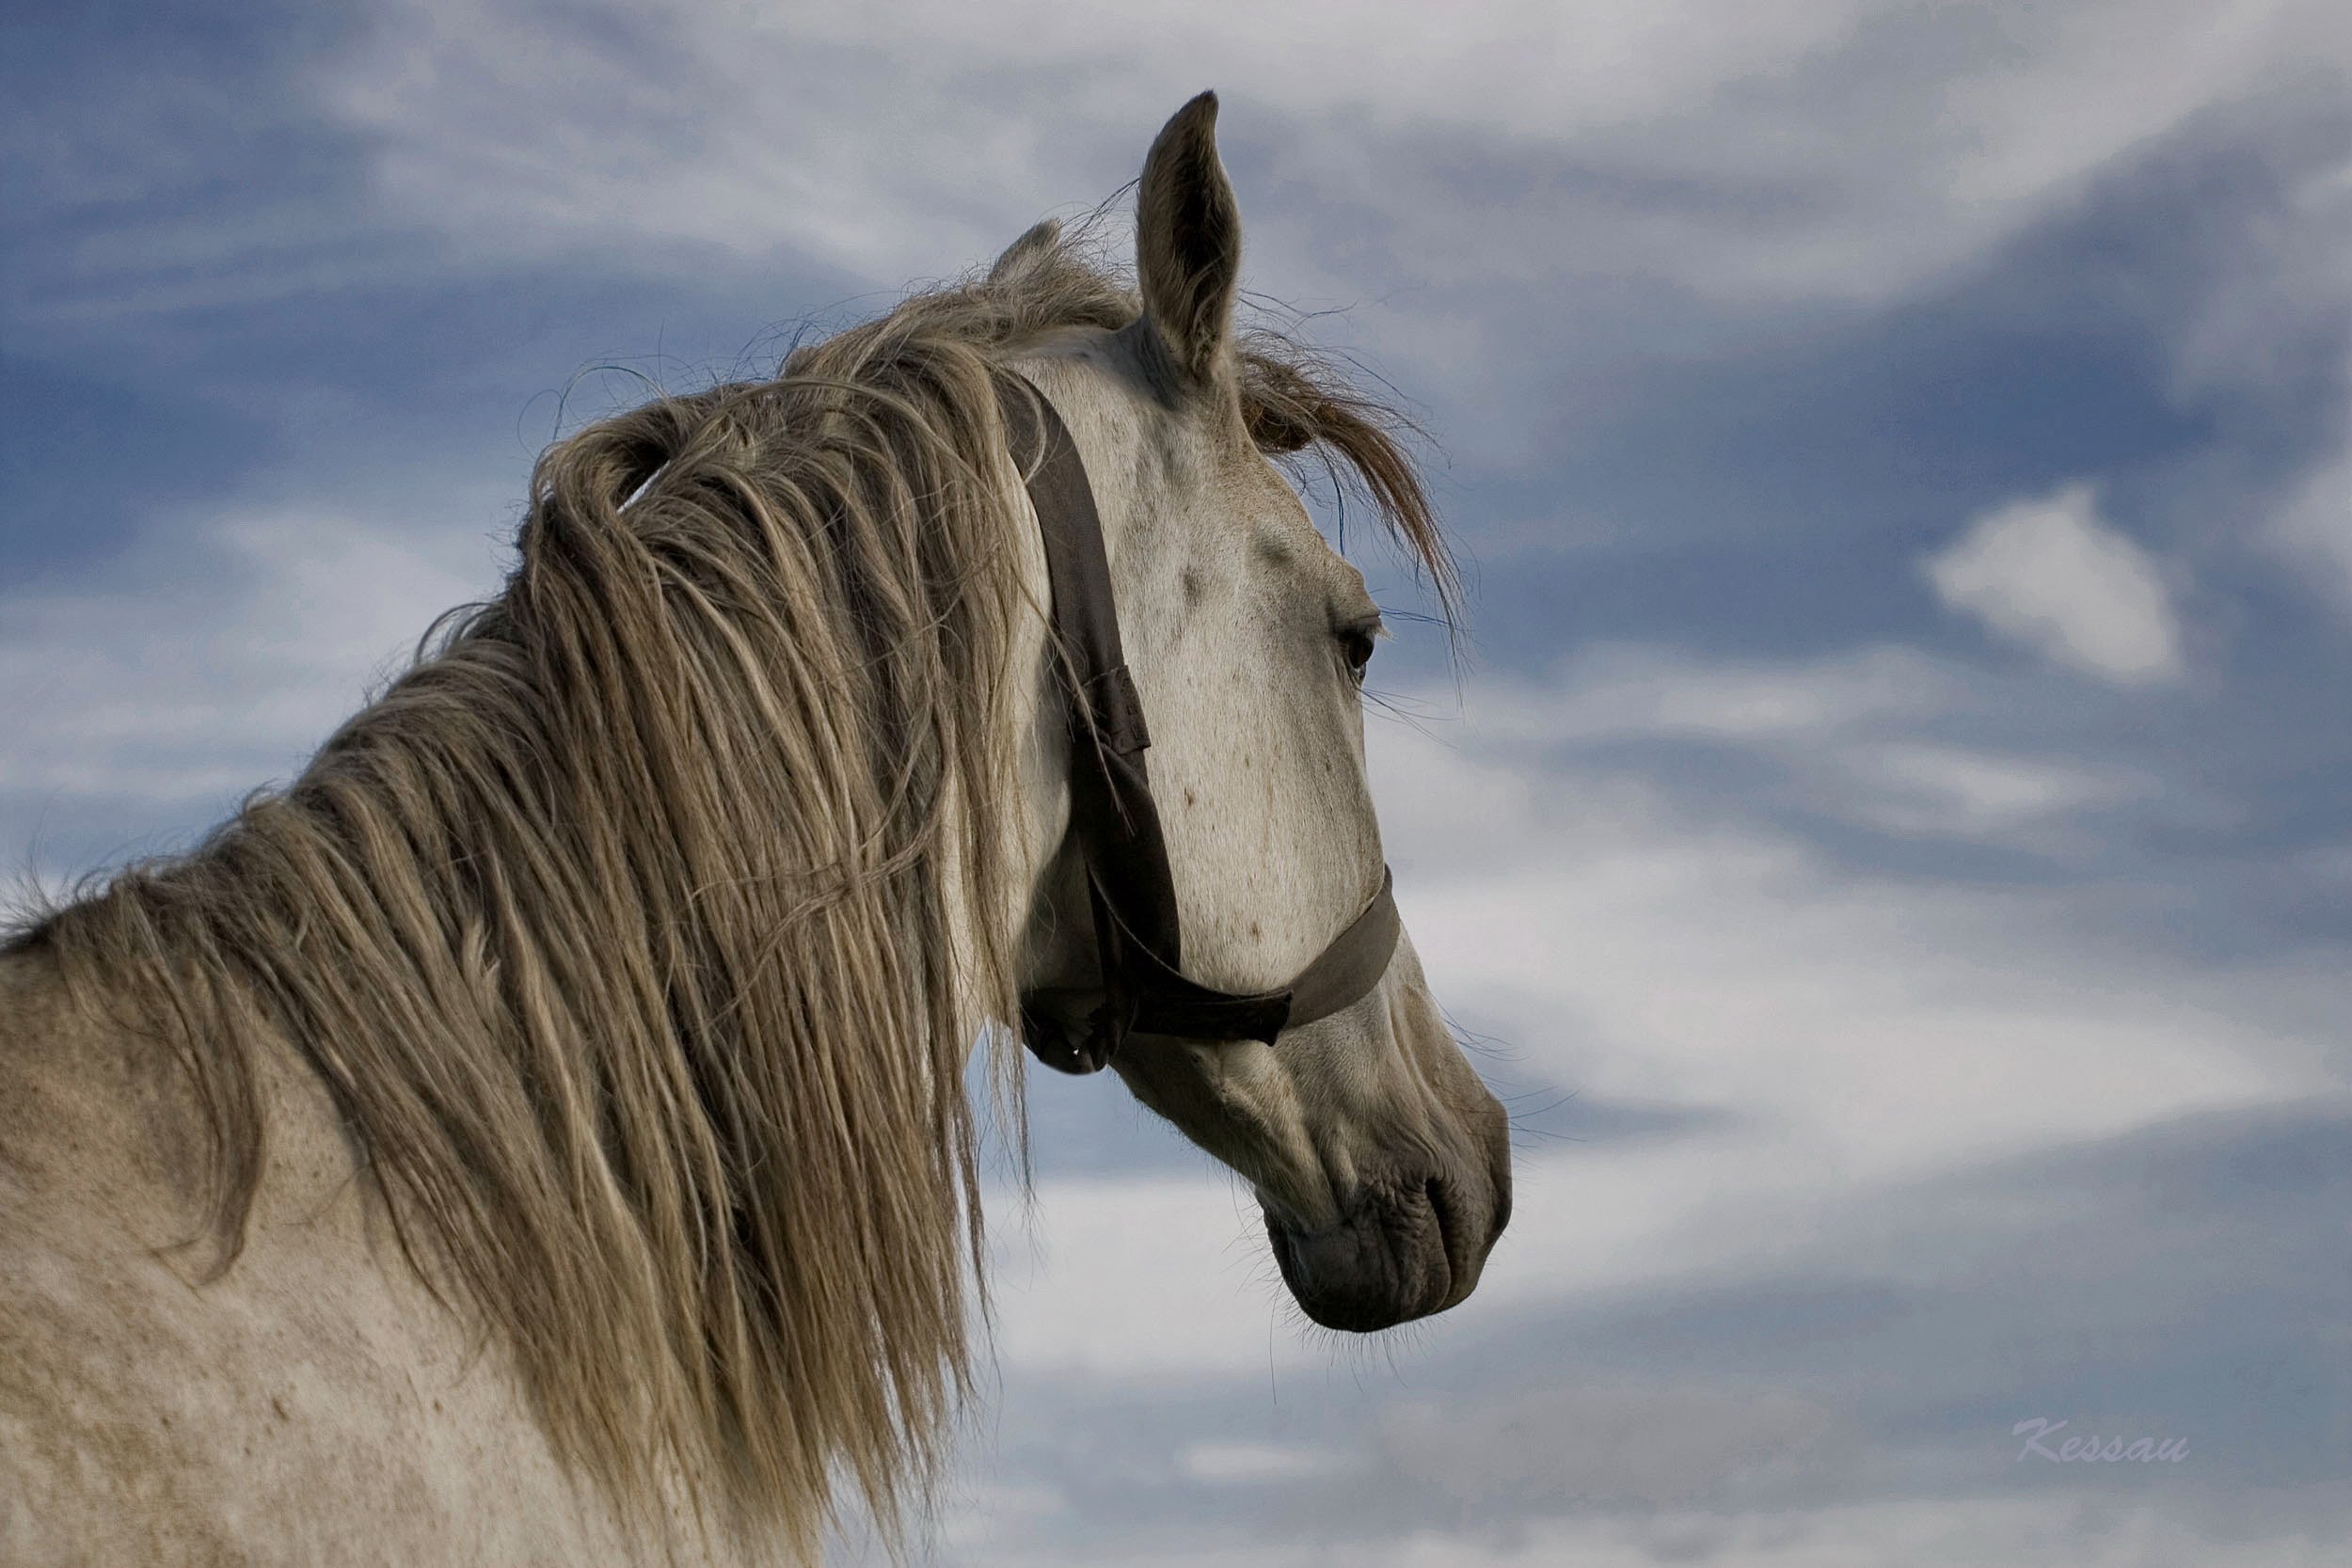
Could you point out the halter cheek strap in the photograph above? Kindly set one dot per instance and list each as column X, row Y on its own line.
column 1138, row 937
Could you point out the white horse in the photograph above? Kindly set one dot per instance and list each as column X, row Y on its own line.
column 539, row 1134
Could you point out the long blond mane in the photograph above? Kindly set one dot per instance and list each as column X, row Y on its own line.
column 624, row 928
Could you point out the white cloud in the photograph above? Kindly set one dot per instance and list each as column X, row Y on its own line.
column 1955, row 792
column 1864, row 1026
column 1640, row 691
column 2254, row 344
column 1796, row 150
column 1860, row 1029
column 981, row 1515
column 1183, row 1255
column 1254, row 1463
column 220, row 649
column 1513, row 201
column 2315, row 528
column 2050, row 575
column 1857, row 735
column 874, row 139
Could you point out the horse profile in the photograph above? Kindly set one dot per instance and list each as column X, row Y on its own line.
column 539, row 1134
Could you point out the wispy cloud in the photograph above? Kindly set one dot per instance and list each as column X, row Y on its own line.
column 1654, row 130
column 2314, row 527
column 151, row 695
column 1868, row 1028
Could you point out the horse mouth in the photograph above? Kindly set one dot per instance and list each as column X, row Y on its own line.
column 1397, row 1255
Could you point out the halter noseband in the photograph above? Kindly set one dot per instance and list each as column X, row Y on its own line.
column 1138, row 937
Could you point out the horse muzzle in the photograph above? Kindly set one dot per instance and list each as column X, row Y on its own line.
column 1402, row 1250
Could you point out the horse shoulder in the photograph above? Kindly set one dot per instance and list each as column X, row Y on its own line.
column 311, row 1405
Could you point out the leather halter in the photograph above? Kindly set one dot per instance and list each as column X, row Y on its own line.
column 1138, row 937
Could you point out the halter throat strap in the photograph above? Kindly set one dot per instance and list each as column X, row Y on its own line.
column 1138, row 936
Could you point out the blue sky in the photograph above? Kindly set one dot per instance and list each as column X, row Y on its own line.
column 1890, row 826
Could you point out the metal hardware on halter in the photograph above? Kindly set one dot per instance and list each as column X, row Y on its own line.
column 1138, row 937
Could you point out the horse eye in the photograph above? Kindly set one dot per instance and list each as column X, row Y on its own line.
column 1357, row 644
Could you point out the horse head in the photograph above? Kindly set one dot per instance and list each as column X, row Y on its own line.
column 1380, row 1161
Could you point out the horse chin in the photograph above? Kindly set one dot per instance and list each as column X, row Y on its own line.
column 1396, row 1255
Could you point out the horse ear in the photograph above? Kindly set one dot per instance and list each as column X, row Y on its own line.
column 1038, row 242
column 1188, row 244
